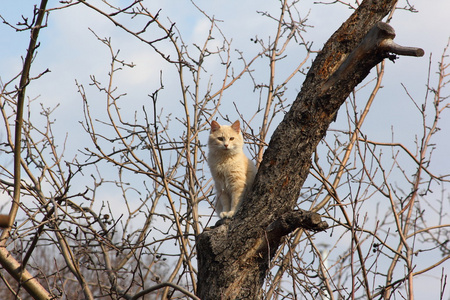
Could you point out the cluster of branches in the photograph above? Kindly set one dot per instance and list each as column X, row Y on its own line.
column 157, row 174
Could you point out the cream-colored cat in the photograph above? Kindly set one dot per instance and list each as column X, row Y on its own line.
column 232, row 171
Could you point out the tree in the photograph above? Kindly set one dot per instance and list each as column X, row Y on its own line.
column 235, row 260
column 159, row 175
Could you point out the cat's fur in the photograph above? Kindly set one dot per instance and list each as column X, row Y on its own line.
column 231, row 170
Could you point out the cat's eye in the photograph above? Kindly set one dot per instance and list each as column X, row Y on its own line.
column 231, row 138
column 220, row 139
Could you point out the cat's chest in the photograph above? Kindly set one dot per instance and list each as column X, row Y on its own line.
column 224, row 166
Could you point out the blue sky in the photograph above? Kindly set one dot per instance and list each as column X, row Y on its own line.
column 70, row 50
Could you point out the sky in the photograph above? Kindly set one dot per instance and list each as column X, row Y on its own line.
column 72, row 53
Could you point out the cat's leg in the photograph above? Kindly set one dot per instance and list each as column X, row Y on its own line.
column 219, row 203
column 226, row 205
column 236, row 197
column 223, row 201
column 219, row 206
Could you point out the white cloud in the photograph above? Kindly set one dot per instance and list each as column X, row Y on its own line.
column 72, row 52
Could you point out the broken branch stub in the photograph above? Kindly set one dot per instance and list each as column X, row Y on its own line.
column 377, row 44
column 386, row 37
column 292, row 220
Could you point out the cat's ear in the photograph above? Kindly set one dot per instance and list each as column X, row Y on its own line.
column 236, row 126
column 214, row 126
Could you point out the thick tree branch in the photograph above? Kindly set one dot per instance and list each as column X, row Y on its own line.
column 24, row 81
column 27, row 280
column 33, row 287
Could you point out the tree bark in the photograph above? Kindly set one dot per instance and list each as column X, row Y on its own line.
column 233, row 258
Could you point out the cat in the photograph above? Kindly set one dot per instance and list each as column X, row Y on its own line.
column 233, row 172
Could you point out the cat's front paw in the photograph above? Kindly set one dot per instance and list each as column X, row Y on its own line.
column 227, row 214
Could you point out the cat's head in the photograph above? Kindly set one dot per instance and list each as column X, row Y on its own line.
column 226, row 138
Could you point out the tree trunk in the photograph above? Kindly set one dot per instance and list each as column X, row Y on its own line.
column 233, row 258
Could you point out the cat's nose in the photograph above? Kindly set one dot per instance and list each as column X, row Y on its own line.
column 226, row 146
